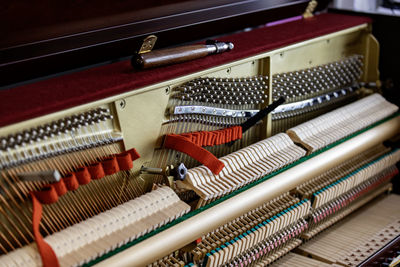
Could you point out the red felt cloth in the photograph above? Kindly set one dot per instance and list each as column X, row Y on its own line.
column 49, row 258
column 29, row 101
column 213, row 138
column 47, row 195
column 183, row 144
column 192, row 143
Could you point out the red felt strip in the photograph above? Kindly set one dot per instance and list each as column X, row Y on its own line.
column 218, row 140
column 60, row 188
column 191, row 143
column 71, row 182
column 96, row 171
column 83, row 176
column 49, row 258
column 239, row 132
column 217, row 137
column 228, row 136
column 184, row 145
column 212, row 139
column 233, row 134
column 124, row 161
column 188, row 135
column 47, row 194
column 110, row 165
column 200, row 138
column 194, row 137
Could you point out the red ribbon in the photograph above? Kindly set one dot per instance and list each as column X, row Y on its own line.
column 192, row 143
column 47, row 195
column 183, row 144
column 49, row 258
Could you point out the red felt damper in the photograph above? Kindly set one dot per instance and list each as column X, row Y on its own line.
column 134, row 154
column 49, row 258
column 195, row 140
column 184, row 145
column 83, row 176
column 47, row 194
column 60, row 188
column 96, row 171
column 71, row 182
column 212, row 138
column 124, row 161
column 110, row 165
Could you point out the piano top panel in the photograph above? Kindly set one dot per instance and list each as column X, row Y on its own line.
column 52, row 95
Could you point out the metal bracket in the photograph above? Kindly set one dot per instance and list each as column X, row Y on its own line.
column 308, row 13
column 148, row 44
column 204, row 110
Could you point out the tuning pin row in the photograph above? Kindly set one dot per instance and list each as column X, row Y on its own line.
column 299, row 85
column 210, row 120
column 233, row 91
column 216, row 81
column 55, row 128
column 227, row 98
column 70, row 134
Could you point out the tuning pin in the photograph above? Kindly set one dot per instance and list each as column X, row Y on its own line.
column 103, row 110
column 3, row 143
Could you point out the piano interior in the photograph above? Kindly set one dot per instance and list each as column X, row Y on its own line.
column 157, row 168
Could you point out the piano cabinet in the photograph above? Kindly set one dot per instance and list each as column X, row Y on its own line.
column 88, row 166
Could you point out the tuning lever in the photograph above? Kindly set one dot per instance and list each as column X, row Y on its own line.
column 178, row 172
column 156, row 58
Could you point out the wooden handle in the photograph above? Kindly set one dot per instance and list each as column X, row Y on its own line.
column 168, row 56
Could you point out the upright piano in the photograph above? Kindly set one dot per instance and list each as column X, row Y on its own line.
column 281, row 151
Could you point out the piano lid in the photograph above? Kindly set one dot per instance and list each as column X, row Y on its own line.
column 45, row 37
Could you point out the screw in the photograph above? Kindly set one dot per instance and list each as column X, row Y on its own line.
column 122, row 103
